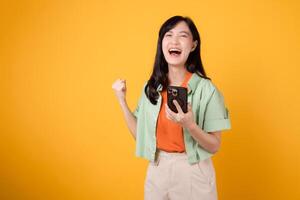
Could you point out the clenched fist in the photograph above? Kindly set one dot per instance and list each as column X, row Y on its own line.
column 119, row 87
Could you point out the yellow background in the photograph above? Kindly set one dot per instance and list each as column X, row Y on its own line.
column 62, row 133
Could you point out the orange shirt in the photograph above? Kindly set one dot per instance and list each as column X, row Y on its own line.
column 169, row 135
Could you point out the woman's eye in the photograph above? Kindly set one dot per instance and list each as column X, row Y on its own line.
column 167, row 35
column 184, row 36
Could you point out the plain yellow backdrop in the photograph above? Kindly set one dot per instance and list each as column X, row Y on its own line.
column 62, row 133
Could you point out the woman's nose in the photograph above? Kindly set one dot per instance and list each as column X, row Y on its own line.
column 174, row 40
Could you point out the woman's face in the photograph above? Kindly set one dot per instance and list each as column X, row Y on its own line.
column 177, row 44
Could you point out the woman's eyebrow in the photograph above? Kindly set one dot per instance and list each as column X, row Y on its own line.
column 181, row 32
column 184, row 32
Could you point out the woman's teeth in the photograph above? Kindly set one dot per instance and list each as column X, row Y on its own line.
column 175, row 52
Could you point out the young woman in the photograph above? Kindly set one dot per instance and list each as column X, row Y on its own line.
column 178, row 145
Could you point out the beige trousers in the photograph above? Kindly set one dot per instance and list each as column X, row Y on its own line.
column 171, row 177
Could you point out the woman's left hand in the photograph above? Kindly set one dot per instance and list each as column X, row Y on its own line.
column 186, row 120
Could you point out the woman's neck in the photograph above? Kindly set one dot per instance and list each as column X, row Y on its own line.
column 176, row 75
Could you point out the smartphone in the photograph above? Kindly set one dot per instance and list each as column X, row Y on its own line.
column 179, row 94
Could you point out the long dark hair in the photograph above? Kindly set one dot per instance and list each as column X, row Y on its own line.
column 160, row 69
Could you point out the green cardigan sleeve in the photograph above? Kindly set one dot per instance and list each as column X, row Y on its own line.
column 216, row 116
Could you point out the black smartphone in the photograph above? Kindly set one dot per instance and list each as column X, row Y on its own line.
column 179, row 94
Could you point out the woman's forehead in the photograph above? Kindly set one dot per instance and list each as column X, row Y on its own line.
column 181, row 27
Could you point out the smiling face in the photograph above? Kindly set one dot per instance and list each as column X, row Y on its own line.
column 177, row 44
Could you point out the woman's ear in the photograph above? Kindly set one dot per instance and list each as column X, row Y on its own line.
column 195, row 43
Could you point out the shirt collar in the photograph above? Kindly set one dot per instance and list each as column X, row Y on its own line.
column 193, row 82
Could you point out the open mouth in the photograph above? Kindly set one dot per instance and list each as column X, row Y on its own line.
column 174, row 52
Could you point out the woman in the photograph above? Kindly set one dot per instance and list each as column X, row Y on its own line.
column 178, row 145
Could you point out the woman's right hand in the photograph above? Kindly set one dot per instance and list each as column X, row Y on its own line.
column 119, row 87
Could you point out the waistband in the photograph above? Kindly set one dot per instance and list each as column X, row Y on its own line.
column 162, row 153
